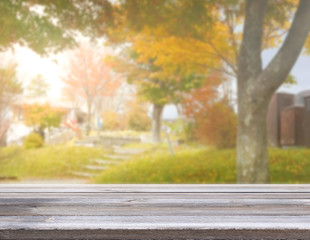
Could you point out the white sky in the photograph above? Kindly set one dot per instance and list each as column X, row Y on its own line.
column 31, row 64
column 301, row 71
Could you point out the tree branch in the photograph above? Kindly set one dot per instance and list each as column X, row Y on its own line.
column 280, row 66
column 225, row 59
column 220, row 70
column 249, row 60
column 229, row 21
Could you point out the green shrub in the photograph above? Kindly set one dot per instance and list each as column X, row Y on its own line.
column 137, row 118
column 218, row 127
column 183, row 129
column 34, row 140
column 194, row 165
column 110, row 121
column 139, row 121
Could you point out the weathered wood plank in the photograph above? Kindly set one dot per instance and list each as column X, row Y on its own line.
column 156, row 188
column 154, row 211
column 154, row 222
column 150, row 227
column 145, row 204
column 128, row 196
column 145, row 201
column 151, row 234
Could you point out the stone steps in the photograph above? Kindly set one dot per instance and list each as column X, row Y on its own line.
column 114, row 158
column 106, row 162
column 84, row 174
column 96, row 167
column 128, row 151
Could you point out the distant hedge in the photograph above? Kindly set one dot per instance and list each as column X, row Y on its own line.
column 206, row 166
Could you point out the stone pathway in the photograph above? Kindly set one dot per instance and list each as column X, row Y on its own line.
column 117, row 156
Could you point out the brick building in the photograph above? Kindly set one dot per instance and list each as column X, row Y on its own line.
column 288, row 120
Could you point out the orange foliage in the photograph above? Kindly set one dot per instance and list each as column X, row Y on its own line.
column 202, row 98
column 215, row 120
column 42, row 116
column 185, row 54
column 113, row 121
column 219, row 126
column 88, row 76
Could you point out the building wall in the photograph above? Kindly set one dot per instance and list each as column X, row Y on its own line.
column 299, row 126
column 292, row 126
column 272, row 123
column 288, row 127
column 278, row 102
column 306, row 123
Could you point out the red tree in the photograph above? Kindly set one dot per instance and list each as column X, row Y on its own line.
column 89, row 78
column 215, row 121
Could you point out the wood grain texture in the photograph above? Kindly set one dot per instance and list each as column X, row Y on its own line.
column 154, row 211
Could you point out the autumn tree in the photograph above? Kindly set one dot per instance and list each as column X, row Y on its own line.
column 163, row 66
column 42, row 117
column 89, row 78
column 160, row 87
column 38, row 87
column 215, row 122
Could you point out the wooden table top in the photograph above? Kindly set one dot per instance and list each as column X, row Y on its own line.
column 154, row 211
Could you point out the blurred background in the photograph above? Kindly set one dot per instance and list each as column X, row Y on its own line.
column 140, row 95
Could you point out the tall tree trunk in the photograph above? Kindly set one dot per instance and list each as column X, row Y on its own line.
column 252, row 152
column 88, row 120
column 256, row 86
column 156, row 122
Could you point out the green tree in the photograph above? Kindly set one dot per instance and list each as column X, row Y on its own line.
column 38, row 87
column 155, row 85
column 42, row 116
column 48, row 26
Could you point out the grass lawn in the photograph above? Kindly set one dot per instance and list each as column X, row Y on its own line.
column 50, row 162
column 191, row 164
column 200, row 165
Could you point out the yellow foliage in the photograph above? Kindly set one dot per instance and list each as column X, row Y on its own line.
column 184, row 54
column 307, row 46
